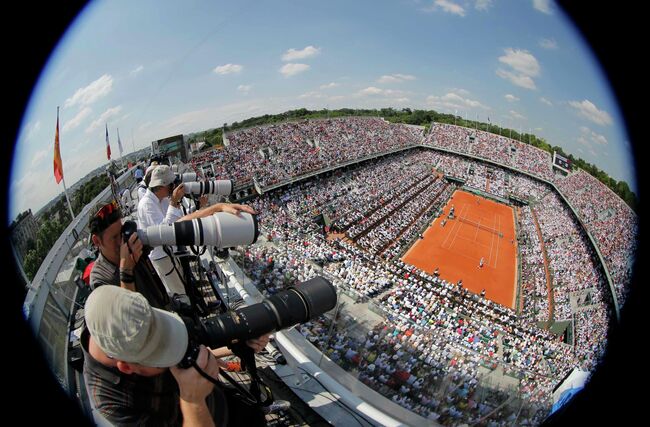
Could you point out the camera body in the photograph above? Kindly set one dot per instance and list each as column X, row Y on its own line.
column 128, row 228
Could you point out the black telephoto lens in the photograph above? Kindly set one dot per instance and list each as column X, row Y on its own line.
column 283, row 310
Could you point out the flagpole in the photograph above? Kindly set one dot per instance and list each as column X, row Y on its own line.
column 132, row 143
column 65, row 190
column 119, row 144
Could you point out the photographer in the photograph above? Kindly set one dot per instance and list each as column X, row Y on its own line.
column 118, row 262
column 161, row 205
column 144, row 184
column 129, row 346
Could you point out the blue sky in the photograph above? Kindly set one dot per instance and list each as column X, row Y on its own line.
column 160, row 68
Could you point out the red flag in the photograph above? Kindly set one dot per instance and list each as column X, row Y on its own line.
column 108, row 146
column 58, row 164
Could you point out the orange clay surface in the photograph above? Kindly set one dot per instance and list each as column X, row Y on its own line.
column 457, row 248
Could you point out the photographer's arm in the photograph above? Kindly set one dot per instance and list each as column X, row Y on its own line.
column 194, row 389
column 232, row 208
column 257, row 344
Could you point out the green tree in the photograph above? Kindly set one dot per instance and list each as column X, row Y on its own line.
column 31, row 263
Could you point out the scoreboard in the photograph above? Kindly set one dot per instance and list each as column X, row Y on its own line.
column 561, row 162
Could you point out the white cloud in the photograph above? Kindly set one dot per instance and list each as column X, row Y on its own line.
column 460, row 91
column 543, row 6
column 545, row 101
column 483, row 4
column 228, row 69
column 511, row 98
column 517, row 116
column 312, row 94
column 293, row 54
column 145, row 126
column 371, row 91
column 40, row 155
column 76, row 120
column 329, row 86
column 91, row 93
column 453, row 101
column 292, row 69
column 517, row 79
column 137, row 70
column 524, row 67
column 103, row 119
column 548, row 44
column 446, row 6
column 395, row 78
column 589, row 111
column 521, row 61
column 244, row 88
column 33, row 129
column 588, row 137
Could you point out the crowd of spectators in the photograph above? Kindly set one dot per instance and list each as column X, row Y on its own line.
column 574, row 268
column 610, row 221
column 280, row 152
column 533, row 274
column 452, row 327
column 492, row 147
column 437, row 332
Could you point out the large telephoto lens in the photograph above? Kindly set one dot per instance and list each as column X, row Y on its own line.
column 188, row 177
column 220, row 187
column 295, row 305
column 222, row 229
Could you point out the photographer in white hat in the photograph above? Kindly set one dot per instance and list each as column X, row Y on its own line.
column 128, row 348
column 161, row 205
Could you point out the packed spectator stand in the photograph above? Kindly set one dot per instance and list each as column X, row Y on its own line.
column 438, row 341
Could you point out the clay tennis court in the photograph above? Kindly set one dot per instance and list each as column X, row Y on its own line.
column 457, row 248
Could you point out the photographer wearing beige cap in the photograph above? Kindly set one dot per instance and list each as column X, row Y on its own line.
column 130, row 355
column 161, row 205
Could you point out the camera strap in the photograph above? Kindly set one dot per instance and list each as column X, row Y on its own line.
column 247, row 357
column 245, row 394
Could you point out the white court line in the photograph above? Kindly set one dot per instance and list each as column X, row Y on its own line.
column 467, row 239
column 477, row 228
column 458, row 231
column 453, row 228
column 492, row 242
column 498, row 242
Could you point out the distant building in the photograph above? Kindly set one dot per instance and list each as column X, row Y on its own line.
column 21, row 231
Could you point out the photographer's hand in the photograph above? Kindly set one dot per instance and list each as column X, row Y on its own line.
column 203, row 201
column 177, row 195
column 130, row 253
column 233, row 208
column 194, row 388
column 258, row 344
